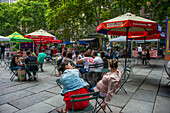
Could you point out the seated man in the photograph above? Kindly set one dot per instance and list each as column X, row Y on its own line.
column 31, row 59
column 41, row 57
column 97, row 60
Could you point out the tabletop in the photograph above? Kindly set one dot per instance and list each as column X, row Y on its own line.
column 100, row 70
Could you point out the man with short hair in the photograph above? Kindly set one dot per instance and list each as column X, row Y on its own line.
column 41, row 57
column 97, row 60
column 31, row 59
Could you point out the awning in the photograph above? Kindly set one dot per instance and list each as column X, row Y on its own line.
column 82, row 42
column 87, row 39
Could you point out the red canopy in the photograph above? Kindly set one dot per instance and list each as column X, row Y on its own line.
column 149, row 37
column 57, row 41
column 137, row 26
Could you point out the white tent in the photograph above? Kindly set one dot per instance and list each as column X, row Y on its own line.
column 40, row 32
column 123, row 39
column 2, row 38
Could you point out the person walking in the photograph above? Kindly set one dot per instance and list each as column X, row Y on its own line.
column 41, row 57
column 2, row 50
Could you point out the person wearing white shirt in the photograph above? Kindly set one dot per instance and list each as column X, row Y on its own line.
column 97, row 60
column 140, row 51
column 76, row 56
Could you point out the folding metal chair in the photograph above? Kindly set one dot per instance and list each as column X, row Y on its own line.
column 90, row 107
column 58, row 83
column 14, row 74
column 33, row 67
column 166, row 70
column 125, row 77
column 97, row 108
column 54, row 63
column 101, row 102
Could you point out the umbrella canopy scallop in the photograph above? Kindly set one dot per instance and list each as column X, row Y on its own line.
column 16, row 37
column 138, row 26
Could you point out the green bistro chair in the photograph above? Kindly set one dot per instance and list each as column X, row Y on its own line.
column 89, row 108
column 125, row 76
column 58, row 83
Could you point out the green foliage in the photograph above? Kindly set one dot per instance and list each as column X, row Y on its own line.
column 73, row 18
column 24, row 16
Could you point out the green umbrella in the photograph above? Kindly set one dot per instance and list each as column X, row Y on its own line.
column 16, row 37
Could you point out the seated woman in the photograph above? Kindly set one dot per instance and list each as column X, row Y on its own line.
column 109, row 83
column 102, row 55
column 68, row 58
column 72, row 84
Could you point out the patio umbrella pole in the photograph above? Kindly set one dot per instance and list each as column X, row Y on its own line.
column 40, row 45
column 144, row 44
column 127, row 30
column 33, row 47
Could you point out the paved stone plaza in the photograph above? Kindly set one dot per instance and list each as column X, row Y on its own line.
column 146, row 92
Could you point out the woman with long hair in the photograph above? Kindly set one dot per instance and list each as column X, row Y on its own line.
column 109, row 83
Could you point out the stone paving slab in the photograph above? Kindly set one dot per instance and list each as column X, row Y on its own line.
column 130, row 88
column 137, row 106
column 145, row 95
column 6, row 108
column 164, row 91
column 14, row 96
column 40, row 87
column 56, row 90
column 120, row 99
column 150, row 87
column 55, row 101
column 37, row 108
column 15, row 88
column 30, row 100
column 152, row 81
column 8, row 84
column 162, row 105
column 137, row 80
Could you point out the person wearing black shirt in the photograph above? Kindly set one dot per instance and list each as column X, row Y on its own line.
column 31, row 59
column 15, row 65
column 2, row 50
column 60, row 49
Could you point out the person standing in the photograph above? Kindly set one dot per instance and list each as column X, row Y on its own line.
column 60, row 49
column 2, row 50
column 140, row 51
column 41, row 57
column 108, row 47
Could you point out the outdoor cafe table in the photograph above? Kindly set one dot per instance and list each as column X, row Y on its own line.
column 100, row 70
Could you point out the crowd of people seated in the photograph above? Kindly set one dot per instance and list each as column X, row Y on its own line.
column 73, row 82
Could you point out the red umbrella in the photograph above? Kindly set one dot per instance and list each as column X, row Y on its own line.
column 128, row 25
column 57, row 41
